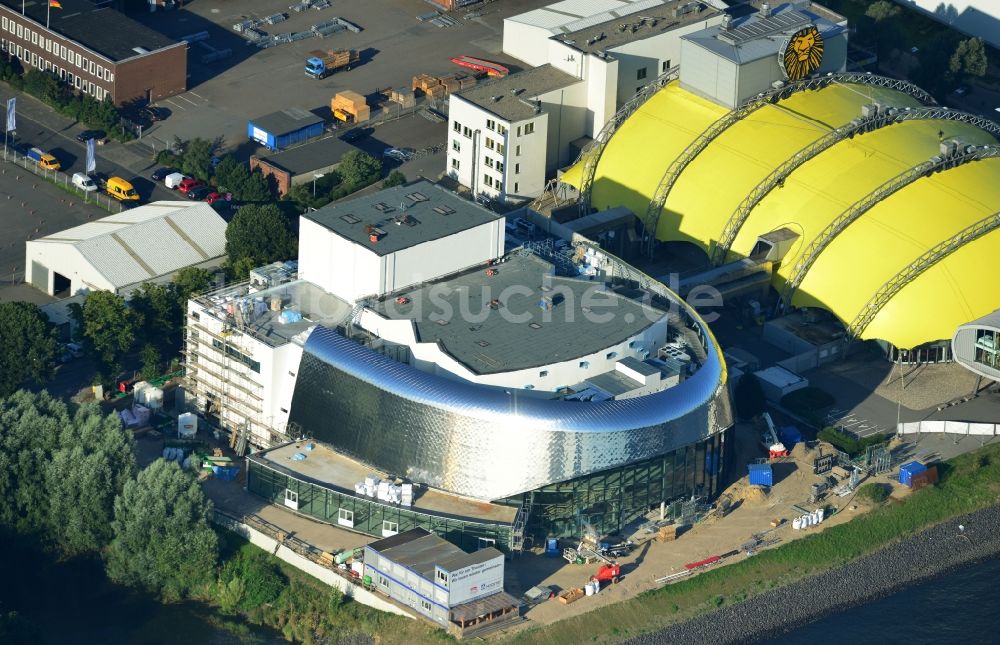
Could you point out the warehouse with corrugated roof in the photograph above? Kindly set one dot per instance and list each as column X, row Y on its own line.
column 120, row 252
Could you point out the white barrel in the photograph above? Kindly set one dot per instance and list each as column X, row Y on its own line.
column 597, row 585
column 819, row 514
column 807, row 520
column 589, row 588
column 796, row 524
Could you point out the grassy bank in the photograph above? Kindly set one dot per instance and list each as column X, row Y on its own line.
column 968, row 483
column 307, row 610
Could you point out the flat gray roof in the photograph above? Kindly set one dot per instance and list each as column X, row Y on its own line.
column 642, row 24
column 304, row 159
column 420, row 550
column 989, row 320
column 100, row 29
column 285, row 121
column 614, row 383
column 754, row 37
column 519, row 334
column 511, row 97
column 643, row 368
column 431, row 213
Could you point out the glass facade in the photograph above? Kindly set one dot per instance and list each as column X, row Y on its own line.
column 612, row 499
column 368, row 515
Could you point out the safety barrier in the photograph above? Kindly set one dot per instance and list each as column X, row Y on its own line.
column 64, row 181
column 965, row 428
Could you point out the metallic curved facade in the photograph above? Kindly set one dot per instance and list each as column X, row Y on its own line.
column 840, row 165
column 484, row 442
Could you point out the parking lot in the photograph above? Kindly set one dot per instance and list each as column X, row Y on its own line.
column 394, row 47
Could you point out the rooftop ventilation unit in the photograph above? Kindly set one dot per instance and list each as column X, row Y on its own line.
column 350, row 219
column 765, row 10
column 496, row 98
column 418, row 197
column 443, row 210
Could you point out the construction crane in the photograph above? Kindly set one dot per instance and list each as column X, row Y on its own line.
column 770, row 438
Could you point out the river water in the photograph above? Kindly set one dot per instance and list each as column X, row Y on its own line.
column 73, row 602
column 956, row 607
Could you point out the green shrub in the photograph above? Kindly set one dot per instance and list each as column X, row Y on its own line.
column 847, row 443
column 260, row 580
column 876, row 493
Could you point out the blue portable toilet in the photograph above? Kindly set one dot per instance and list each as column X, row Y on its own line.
column 761, row 474
column 552, row 547
column 907, row 471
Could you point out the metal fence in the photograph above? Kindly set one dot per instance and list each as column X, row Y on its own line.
column 64, row 181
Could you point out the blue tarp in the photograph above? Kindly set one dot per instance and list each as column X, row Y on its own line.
column 226, row 473
column 790, row 436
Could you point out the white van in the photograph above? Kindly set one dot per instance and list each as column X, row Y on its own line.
column 174, row 180
column 84, row 182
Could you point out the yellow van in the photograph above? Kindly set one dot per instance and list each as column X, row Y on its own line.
column 121, row 189
column 44, row 160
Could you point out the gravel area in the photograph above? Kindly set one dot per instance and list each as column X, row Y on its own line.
column 922, row 556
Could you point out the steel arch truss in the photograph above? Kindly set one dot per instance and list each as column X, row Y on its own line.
column 591, row 155
column 748, row 107
column 895, row 284
column 858, row 126
column 860, row 207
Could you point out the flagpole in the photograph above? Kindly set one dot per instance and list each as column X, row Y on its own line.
column 48, row 13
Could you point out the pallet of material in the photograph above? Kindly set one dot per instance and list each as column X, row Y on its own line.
column 571, row 595
column 667, row 533
column 404, row 97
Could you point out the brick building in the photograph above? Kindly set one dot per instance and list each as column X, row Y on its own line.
column 96, row 49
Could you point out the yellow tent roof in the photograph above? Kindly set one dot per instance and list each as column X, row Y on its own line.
column 884, row 241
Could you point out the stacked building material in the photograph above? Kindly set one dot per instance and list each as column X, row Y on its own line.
column 352, row 103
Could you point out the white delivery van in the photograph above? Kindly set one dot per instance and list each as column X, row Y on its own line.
column 84, row 182
column 174, row 180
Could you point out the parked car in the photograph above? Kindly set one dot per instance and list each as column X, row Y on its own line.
column 399, row 154
column 155, row 113
column 99, row 137
column 160, row 174
column 357, row 134
column 199, row 192
column 84, row 182
column 187, row 184
column 214, row 197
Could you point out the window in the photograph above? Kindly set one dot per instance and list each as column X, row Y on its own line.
column 426, row 606
column 457, row 127
column 499, row 166
column 79, row 60
column 500, row 148
column 20, row 33
column 640, row 74
column 62, row 48
column 517, row 169
column 488, row 180
column 34, row 38
column 502, row 131
column 529, row 128
column 62, row 74
column 291, row 499
column 491, row 124
column 488, row 161
column 485, row 542
column 345, row 517
column 229, row 350
column 389, row 528
column 666, row 66
column 517, row 151
column 456, row 146
column 543, row 374
column 490, row 144
column 515, row 187
column 584, row 365
column 518, row 130
column 454, row 164
column 383, row 581
column 611, row 355
column 442, row 576
column 467, row 132
column 34, row 59
column 3, row 22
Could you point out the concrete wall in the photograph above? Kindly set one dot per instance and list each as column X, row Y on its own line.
column 708, row 75
column 526, row 43
column 567, row 110
column 335, row 264
column 47, row 258
column 436, row 258
column 269, row 544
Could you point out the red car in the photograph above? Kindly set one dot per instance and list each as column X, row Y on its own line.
column 188, row 184
column 213, row 197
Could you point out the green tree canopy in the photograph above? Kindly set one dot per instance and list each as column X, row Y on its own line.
column 259, row 234
column 196, row 158
column 395, row 178
column 190, row 281
column 969, row 58
column 882, row 10
column 749, row 397
column 109, row 327
column 28, row 347
column 162, row 540
column 89, row 469
column 157, row 307
column 358, row 169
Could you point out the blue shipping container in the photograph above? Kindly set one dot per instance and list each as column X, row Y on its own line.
column 280, row 140
column 907, row 471
column 761, row 475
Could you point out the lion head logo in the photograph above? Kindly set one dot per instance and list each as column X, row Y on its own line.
column 803, row 53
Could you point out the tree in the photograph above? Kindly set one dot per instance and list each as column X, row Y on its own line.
column 258, row 234
column 882, row 10
column 395, row 178
column 28, row 347
column 157, row 307
column 150, row 357
column 17, row 630
column 749, row 397
column 232, row 176
column 94, row 460
column 162, row 540
column 969, row 58
column 109, row 328
column 190, row 281
column 196, row 158
column 258, row 188
column 358, row 169
column 30, row 427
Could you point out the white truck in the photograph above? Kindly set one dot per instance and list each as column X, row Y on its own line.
column 174, row 180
